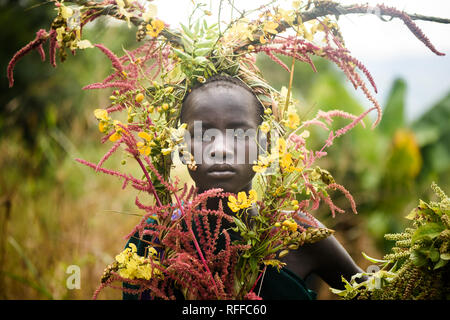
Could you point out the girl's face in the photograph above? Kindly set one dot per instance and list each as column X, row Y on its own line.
column 222, row 121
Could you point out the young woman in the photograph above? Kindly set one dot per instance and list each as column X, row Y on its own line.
column 222, row 104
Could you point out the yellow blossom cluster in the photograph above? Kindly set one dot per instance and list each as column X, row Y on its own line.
column 105, row 121
column 133, row 266
column 68, row 29
column 290, row 225
column 281, row 154
column 242, row 201
column 145, row 147
column 118, row 126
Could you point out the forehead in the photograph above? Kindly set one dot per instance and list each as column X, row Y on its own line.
column 221, row 105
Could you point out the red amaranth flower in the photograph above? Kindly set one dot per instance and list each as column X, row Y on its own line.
column 114, row 60
column 412, row 26
column 41, row 37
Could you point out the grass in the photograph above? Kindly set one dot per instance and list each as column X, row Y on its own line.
column 71, row 216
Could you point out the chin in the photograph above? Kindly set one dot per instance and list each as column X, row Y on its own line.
column 226, row 187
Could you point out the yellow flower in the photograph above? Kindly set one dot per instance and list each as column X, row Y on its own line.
column 101, row 114
column 252, row 196
column 139, row 97
column 262, row 39
column 166, row 151
column 154, row 28
column 241, row 30
column 144, row 147
column 145, row 272
column 102, row 125
column 118, row 134
column 115, row 136
column 133, row 266
column 60, row 33
column 281, row 146
column 265, row 127
column 242, row 202
column 293, row 119
column 286, row 162
column 290, row 224
column 262, row 164
column 144, row 135
column 133, row 247
column 259, row 169
column 270, row 27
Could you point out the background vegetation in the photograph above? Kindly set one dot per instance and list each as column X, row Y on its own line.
column 54, row 212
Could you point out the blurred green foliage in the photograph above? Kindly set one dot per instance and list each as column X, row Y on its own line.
column 50, row 205
column 47, row 200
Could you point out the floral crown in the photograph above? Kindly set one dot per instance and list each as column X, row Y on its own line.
column 149, row 84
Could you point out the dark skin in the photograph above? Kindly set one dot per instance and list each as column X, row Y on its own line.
column 229, row 106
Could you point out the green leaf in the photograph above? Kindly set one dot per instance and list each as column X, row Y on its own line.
column 373, row 259
column 440, row 264
column 182, row 54
column 428, row 231
column 201, row 51
column 197, row 27
column 412, row 214
column 200, row 60
column 240, row 224
column 340, row 293
column 418, row 258
column 211, row 66
column 187, row 31
column 394, row 115
column 434, row 255
column 205, row 44
column 188, row 44
column 445, row 256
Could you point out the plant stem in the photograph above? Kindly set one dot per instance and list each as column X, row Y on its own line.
column 152, row 188
column 291, row 77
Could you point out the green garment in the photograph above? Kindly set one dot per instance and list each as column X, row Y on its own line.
column 283, row 285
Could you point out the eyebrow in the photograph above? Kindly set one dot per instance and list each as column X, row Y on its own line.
column 239, row 124
column 233, row 124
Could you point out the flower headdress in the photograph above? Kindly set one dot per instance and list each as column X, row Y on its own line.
column 148, row 86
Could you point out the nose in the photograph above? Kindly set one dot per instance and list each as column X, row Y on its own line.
column 220, row 150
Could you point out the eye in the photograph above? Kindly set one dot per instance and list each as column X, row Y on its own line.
column 207, row 135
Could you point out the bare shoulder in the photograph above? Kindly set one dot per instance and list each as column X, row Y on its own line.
column 326, row 258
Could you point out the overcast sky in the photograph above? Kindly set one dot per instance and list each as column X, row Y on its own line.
column 388, row 49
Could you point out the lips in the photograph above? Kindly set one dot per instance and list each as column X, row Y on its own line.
column 221, row 171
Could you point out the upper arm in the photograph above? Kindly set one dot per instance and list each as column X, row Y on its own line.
column 329, row 260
